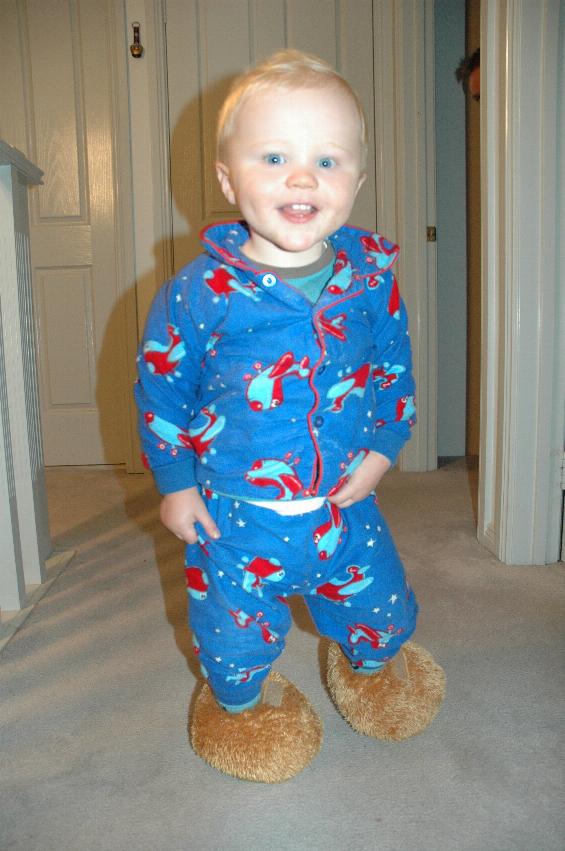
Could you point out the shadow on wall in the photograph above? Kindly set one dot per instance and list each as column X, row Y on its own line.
column 195, row 190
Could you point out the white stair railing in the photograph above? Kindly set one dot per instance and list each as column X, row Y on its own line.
column 25, row 543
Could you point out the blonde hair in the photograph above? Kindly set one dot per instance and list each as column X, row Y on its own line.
column 287, row 70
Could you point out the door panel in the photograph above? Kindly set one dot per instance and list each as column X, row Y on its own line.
column 64, row 72
column 210, row 42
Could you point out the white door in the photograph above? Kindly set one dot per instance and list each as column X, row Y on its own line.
column 57, row 108
column 207, row 44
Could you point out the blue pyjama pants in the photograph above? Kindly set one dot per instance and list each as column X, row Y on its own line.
column 343, row 562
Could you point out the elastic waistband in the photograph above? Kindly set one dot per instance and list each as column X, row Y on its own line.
column 297, row 506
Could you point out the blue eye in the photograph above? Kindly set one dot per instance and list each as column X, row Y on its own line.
column 326, row 162
column 274, row 159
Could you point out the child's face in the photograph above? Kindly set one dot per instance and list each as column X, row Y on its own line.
column 293, row 167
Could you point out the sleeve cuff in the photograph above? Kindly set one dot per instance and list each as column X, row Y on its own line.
column 389, row 443
column 175, row 477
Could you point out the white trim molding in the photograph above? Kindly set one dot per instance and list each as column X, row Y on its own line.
column 124, row 238
column 142, row 166
column 522, row 389
column 149, row 133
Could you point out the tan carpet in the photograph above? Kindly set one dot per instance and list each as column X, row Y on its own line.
column 96, row 687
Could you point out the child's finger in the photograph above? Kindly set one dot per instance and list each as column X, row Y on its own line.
column 343, row 495
column 188, row 534
column 208, row 525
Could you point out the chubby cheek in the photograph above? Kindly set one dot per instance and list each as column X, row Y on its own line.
column 340, row 207
column 254, row 193
column 342, row 190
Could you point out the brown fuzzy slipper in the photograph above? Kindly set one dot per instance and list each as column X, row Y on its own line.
column 267, row 744
column 388, row 705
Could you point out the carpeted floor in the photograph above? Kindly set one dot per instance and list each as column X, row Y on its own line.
column 97, row 683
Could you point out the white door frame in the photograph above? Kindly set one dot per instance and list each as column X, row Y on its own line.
column 142, row 157
column 523, row 368
column 406, row 191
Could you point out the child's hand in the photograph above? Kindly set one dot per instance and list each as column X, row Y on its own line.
column 363, row 481
column 181, row 510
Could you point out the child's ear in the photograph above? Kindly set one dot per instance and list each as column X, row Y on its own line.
column 362, row 179
column 223, row 175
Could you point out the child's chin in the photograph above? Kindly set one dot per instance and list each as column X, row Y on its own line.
column 302, row 245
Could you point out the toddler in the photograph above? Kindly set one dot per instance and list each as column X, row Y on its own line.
column 275, row 390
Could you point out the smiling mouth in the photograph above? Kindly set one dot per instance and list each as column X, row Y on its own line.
column 298, row 212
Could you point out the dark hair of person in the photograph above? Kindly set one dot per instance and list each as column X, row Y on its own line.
column 466, row 67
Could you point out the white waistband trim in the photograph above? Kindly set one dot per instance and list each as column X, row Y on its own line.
column 297, row 506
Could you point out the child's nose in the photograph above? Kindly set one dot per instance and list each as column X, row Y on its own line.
column 302, row 178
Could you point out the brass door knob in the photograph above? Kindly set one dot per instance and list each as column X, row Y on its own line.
column 136, row 48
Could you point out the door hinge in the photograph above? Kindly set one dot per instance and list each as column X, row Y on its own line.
column 431, row 233
column 563, row 472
